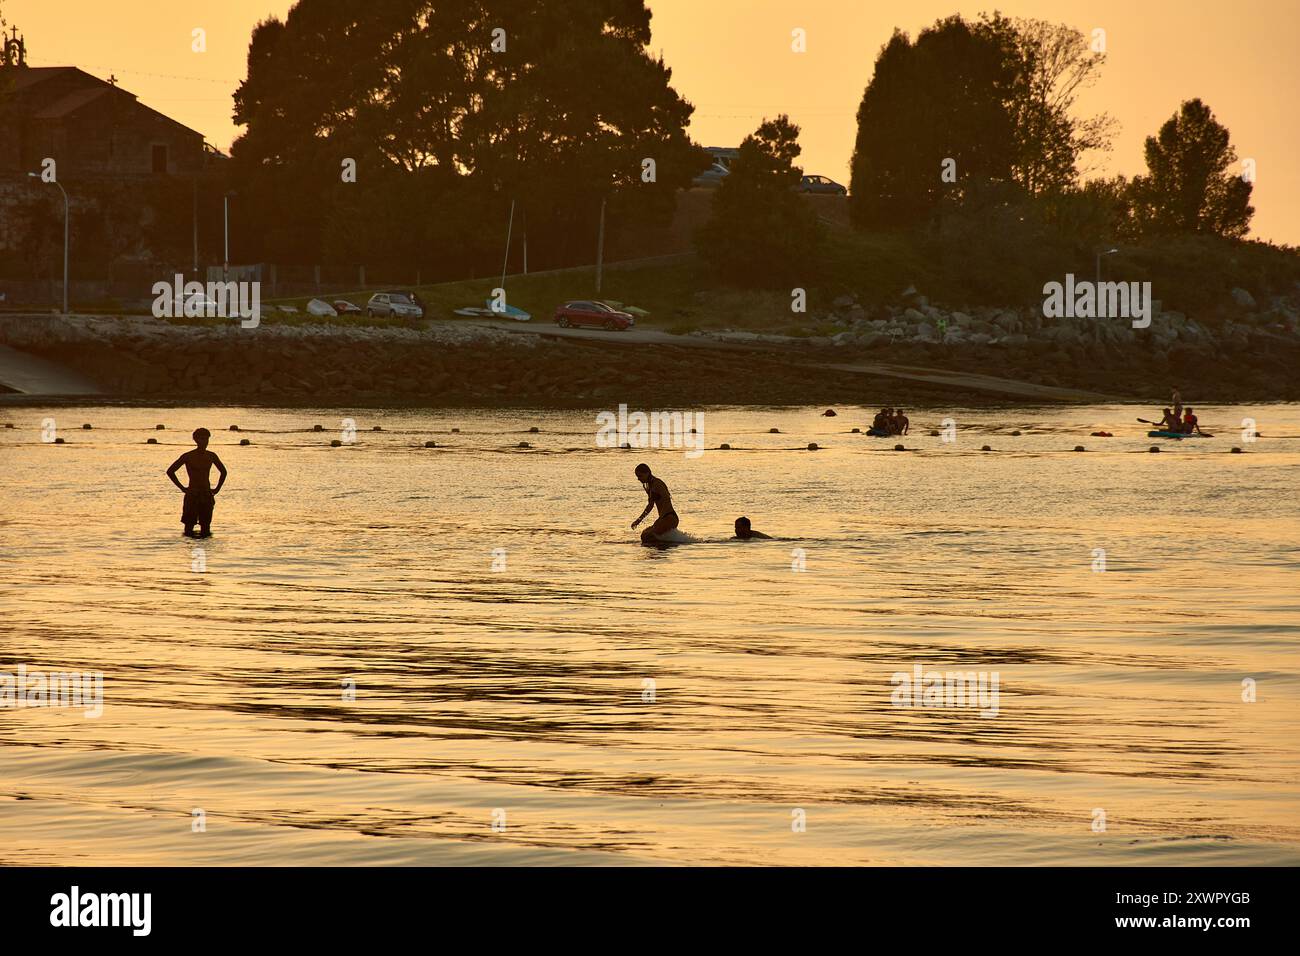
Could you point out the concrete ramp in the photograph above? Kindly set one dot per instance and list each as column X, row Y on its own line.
column 33, row 375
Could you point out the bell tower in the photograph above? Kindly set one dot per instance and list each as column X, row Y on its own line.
column 15, row 50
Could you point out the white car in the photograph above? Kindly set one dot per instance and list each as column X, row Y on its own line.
column 395, row 304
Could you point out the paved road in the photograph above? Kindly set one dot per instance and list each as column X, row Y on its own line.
column 936, row 376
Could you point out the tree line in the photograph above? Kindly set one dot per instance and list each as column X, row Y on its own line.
column 968, row 137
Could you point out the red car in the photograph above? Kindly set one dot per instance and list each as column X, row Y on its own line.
column 582, row 312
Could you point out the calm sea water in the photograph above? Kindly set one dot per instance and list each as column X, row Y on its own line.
column 532, row 686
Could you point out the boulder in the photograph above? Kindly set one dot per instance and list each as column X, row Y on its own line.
column 1243, row 298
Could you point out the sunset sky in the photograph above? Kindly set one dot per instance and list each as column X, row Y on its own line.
column 732, row 59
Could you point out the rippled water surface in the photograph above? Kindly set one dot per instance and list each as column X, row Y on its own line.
column 601, row 702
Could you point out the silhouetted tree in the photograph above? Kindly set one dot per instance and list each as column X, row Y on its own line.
column 433, row 102
column 1189, row 186
column 945, row 97
column 1053, row 63
column 761, row 231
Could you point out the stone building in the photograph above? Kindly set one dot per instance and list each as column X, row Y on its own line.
column 139, row 182
column 89, row 126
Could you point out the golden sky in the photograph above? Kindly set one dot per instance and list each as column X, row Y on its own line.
column 733, row 60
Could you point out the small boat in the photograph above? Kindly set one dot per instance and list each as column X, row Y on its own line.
column 1176, row 435
column 504, row 311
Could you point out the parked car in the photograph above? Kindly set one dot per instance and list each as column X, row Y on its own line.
column 821, row 184
column 396, row 304
column 712, row 177
column 344, row 307
column 585, row 313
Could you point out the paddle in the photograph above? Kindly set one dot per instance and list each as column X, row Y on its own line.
column 1147, row 421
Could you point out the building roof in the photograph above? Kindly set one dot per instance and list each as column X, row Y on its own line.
column 72, row 102
column 90, row 88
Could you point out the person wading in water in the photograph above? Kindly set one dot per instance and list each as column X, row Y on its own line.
column 660, row 498
column 200, row 495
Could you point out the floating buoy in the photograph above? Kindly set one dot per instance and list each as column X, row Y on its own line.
column 376, row 429
column 1079, row 448
column 9, row 424
column 774, row 431
column 455, row 429
column 812, row 446
column 86, row 427
column 1016, row 434
column 58, row 441
column 431, row 444
column 318, row 428
column 899, row 448
column 534, row 430
column 1236, row 451
column 151, row 441
column 829, row 413
column 1102, row 435
column 335, row 443
column 159, row 428
column 856, row 431
column 934, row 434
column 986, row 448
column 724, row 447
column 1154, row 448
column 234, row 428
column 244, row 441
column 523, row 444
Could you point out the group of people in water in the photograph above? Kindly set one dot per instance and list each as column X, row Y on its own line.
column 200, row 495
column 659, row 497
column 1178, row 420
column 890, row 421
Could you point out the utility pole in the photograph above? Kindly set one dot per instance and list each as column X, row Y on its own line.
column 66, row 216
column 600, row 248
column 196, row 227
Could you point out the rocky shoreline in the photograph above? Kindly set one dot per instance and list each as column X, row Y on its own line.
column 1251, row 354
column 1250, row 358
column 144, row 359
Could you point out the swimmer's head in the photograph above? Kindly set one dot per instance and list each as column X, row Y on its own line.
column 201, row 436
column 742, row 527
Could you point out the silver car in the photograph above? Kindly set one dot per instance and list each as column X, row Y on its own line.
column 395, row 304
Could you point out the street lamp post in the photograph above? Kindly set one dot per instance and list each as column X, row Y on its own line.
column 1108, row 252
column 225, row 262
column 66, row 211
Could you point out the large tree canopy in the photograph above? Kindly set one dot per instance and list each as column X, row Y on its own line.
column 994, row 96
column 554, row 103
column 941, row 98
column 1190, row 185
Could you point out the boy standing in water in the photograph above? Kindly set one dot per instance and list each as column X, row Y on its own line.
column 200, row 495
column 659, row 497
